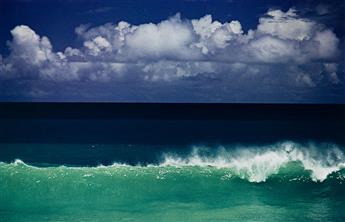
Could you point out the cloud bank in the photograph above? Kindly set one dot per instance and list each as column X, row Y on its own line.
column 284, row 47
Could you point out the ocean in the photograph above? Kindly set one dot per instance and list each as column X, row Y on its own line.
column 171, row 162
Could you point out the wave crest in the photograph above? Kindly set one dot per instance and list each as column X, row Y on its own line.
column 252, row 163
column 256, row 164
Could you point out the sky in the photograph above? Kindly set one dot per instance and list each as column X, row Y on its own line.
column 229, row 51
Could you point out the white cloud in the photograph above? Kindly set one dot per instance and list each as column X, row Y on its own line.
column 268, row 49
column 168, row 70
column 29, row 47
column 169, row 39
column 331, row 69
column 287, row 25
column 327, row 44
column 98, row 45
column 71, row 52
column 175, row 48
column 280, row 37
column 214, row 35
column 304, row 79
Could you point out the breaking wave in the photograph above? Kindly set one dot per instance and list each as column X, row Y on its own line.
column 254, row 164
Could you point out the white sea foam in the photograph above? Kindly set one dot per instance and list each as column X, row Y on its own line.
column 18, row 162
column 255, row 164
column 258, row 163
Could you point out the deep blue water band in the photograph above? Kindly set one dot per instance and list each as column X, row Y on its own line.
column 155, row 123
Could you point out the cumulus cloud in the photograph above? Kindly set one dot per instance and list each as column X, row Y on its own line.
column 97, row 46
column 287, row 25
column 280, row 37
column 30, row 47
column 30, row 53
column 178, row 48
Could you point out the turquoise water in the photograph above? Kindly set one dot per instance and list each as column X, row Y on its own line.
column 278, row 183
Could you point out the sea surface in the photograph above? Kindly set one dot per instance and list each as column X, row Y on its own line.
column 63, row 162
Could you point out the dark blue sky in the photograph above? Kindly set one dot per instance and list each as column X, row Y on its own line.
column 229, row 67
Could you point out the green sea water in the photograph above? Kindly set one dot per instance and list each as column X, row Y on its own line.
column 280, row 182
column 167, row 193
